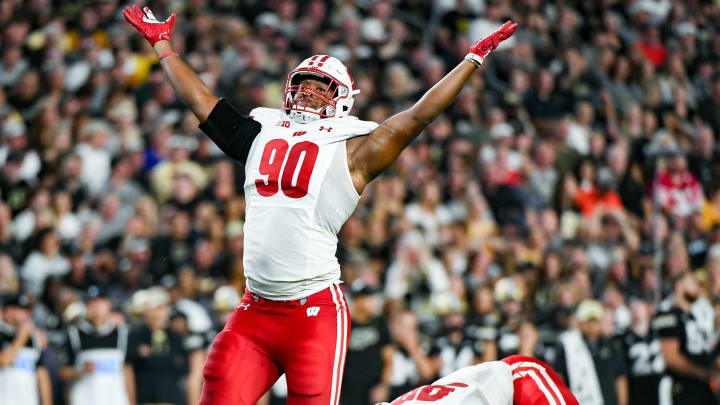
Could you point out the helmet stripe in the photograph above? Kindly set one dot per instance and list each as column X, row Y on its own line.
column 324, row 58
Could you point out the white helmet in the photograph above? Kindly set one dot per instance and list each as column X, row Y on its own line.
column 337, row 99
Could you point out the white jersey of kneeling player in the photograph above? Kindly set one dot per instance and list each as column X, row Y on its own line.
column 298, row 193
column 488, row 383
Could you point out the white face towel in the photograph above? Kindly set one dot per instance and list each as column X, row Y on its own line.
column 581, row 371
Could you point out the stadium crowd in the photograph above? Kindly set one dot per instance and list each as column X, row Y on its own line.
column 582, row 157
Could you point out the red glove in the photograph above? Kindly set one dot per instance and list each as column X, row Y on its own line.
column 480, row 50
column 145, row 22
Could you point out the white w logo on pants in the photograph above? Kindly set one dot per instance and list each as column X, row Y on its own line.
column 312, row 311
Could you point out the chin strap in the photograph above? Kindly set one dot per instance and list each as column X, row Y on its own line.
column 303, row 117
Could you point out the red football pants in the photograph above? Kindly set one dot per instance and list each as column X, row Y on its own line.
column 305, row 339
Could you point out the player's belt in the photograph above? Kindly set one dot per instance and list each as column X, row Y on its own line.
column 261, row 300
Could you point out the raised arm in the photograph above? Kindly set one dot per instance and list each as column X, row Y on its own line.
column 191, row 89
column 7, row 355
column 376, row 152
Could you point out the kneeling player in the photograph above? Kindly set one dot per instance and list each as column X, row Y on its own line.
column 515, row 380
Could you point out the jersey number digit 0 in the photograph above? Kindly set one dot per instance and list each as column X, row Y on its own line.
column 271, row 164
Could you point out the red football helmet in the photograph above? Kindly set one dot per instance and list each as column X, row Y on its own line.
column 535, row 383
column 337, row 100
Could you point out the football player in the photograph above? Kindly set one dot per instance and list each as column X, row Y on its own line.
column 643, row 358
column 306, row 165
column 514, row 380
column 685, row 326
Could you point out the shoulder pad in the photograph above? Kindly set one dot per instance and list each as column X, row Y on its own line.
column 266, row 116
column 344, row 128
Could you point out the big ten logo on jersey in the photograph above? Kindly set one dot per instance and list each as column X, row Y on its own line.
column 284, row 124
column 429, row 393
column 296, row 165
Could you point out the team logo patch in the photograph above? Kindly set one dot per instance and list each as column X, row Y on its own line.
column 312, row 311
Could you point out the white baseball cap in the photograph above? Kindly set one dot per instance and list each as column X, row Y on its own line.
column 589, row 309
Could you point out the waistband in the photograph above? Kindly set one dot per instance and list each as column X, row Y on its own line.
column 332, row 295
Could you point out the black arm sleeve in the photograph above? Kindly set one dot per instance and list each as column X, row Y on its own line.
column 231, row 131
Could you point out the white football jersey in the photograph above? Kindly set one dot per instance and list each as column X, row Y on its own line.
column 488, row 383
column 298, row 193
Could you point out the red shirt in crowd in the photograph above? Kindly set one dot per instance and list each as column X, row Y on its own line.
column 588, row 199
column 680, row 194
column 655, row 53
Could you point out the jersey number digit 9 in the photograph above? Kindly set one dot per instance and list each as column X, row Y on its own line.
column 271, row 163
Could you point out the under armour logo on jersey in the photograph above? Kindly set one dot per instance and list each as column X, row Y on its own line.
column 244, row 305
column 299, row 133
column 320, row 62
column 322, row 128
column 312, row 311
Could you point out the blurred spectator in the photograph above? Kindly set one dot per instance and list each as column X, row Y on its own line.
column 159, row 357
column 517, row 334
column 225, row 300
column 415, row 273
column 411, row 364
column 700, row 161
column 428, row 214
column 174, row 249
column 676, row 189
column 164, row 175
column 482, row 323
column 685, row 324
column 9, row 280
column 95, row 366
column 651, row 47
column 452, row 349
column 596, row 189
column 369, row 364
column 544, row 177
column 13, row 65
column 45, row 261
column 645, row 364
column 95, row 156
column 590, row 362
column 22, row 370
column 17, row 150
